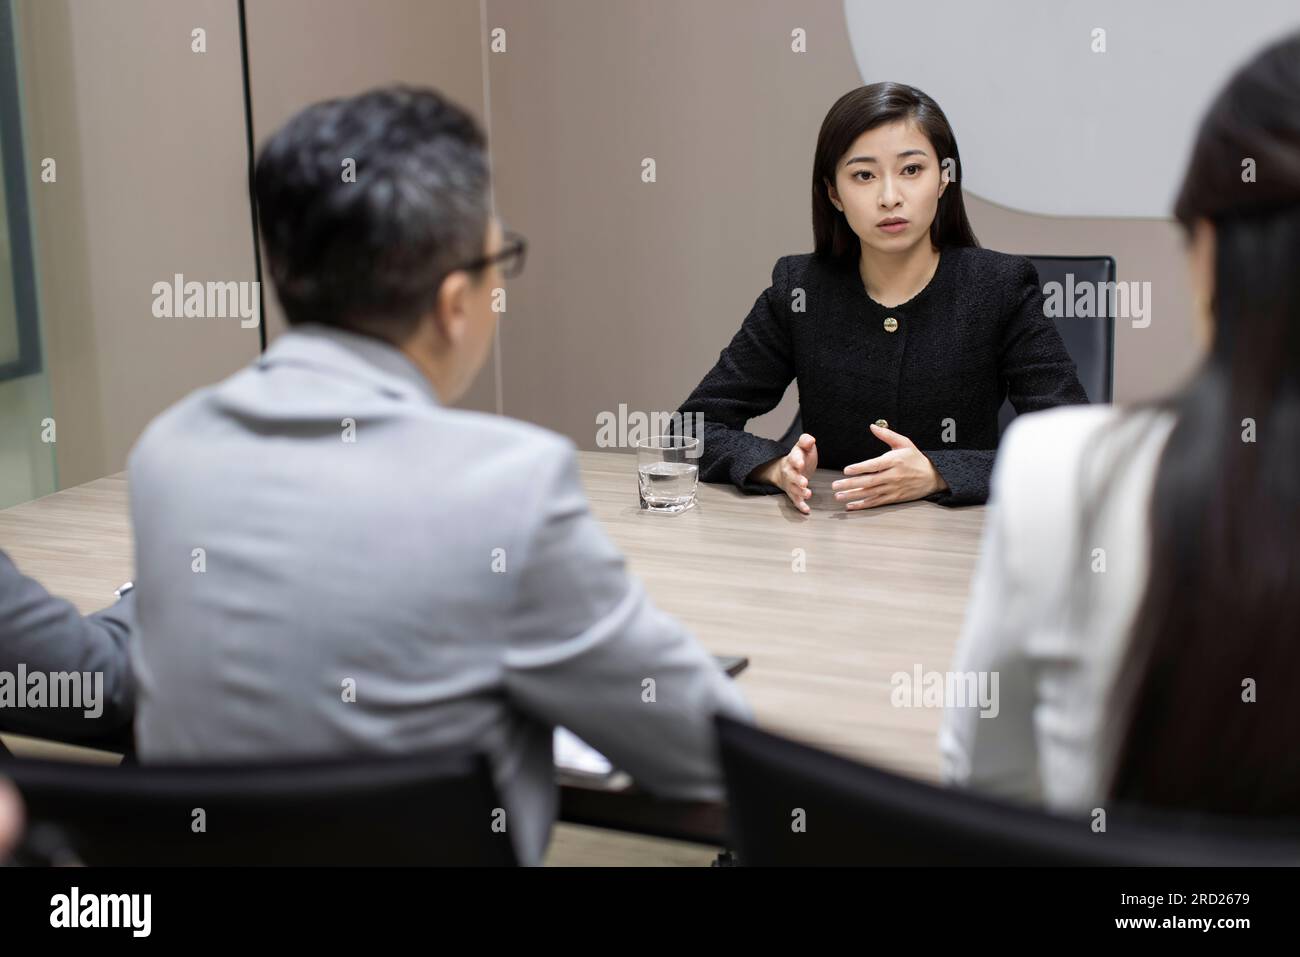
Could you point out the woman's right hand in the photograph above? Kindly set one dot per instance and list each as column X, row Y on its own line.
column 793, row 472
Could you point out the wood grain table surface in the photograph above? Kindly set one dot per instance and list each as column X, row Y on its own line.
column 827, row 607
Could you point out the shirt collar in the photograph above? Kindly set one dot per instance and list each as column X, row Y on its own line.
column 353, row 355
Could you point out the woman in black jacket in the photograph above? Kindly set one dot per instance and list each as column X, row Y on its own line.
column 905, row 337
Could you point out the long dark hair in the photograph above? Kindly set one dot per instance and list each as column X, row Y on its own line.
column 1206, row 707
column 852, row 115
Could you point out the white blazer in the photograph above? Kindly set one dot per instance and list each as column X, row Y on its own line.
column 1045, row 743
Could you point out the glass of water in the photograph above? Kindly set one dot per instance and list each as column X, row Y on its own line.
column 667, row 471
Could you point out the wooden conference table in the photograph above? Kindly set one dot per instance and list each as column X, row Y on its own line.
column 827, row 607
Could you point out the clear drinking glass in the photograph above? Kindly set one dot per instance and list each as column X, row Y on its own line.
column 667, row 472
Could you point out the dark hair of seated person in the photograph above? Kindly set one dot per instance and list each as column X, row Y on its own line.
column 367, row 203
column 1219, row 622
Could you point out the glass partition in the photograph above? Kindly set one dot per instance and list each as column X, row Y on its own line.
column 27, row 427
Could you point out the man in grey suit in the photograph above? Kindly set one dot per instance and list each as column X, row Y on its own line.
column 331, row 560
column 62, row 675
column 46, row 643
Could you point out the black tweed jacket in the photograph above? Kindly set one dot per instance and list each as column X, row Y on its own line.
column 936, row 368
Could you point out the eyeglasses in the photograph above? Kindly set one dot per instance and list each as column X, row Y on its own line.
column 512, row 255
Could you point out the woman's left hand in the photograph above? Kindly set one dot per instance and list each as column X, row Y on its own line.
column 900, row 475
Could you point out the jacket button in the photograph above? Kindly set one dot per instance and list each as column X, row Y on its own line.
column 882, row 423
column 891, row 324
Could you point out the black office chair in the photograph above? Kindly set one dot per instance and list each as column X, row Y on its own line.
column 857, row 815
column 410, row 810
column 1089, row 341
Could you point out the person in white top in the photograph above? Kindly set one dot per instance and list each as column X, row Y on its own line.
column 1138, row 588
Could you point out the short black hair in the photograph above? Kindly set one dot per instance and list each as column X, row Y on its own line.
column 371, row 253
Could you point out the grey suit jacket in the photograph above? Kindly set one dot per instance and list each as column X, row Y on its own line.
column 318, row 528
column 43, row 634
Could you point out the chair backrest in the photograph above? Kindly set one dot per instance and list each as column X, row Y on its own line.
column 792, row 804
column 1090, row 340
column 409, row 810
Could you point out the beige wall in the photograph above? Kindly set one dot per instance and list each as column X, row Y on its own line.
column 149, row 141
column 633, row 288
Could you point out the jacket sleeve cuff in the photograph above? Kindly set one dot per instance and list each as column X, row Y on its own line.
column 752, row 454
column 967, row 472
